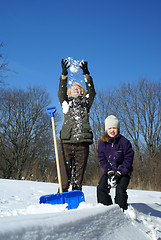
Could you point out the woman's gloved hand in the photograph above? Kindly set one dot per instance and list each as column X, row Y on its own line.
column 65, row 65
column 83, row 66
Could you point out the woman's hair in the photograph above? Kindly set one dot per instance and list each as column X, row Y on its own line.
column 76, row 84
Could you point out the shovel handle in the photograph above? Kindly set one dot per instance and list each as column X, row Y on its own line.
column 52, row 111
column 56, row 155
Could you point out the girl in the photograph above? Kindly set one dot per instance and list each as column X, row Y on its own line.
column 115, row 155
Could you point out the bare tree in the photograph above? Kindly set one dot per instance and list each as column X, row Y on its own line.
column 99, row 111
column 3, row 65
column 25, row 130
column 138, row 107
column 149, row 111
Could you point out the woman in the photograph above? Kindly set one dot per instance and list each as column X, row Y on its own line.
column 76, row 134
column 115, row 155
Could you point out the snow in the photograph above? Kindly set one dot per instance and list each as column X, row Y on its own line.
column 65, row 107
column 73, row 69
column 74, row 73
column 22, row 217
column 74, row 65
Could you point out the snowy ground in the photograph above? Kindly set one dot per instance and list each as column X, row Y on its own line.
column 23, row 218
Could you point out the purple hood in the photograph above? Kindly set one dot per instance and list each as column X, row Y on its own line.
column 116, row 156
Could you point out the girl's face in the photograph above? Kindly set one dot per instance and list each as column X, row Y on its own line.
column 75, row 91
column 112, row 132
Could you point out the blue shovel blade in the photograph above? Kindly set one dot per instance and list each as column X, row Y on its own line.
column 72, row 198
column 52, row 199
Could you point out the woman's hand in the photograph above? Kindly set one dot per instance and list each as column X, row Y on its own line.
column 65, row 65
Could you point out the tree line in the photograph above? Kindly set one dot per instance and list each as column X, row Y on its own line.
column 138, row 107
column 26, row 143
column 26, row 150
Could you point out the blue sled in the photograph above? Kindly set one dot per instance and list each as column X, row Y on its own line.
column 72, row 198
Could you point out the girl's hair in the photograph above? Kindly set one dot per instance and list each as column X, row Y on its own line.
column 76, row 84
column 105, row 137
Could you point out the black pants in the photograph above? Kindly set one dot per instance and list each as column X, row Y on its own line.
column 103, row 191
column 73, row 160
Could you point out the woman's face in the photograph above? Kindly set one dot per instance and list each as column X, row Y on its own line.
column 112, row 132
column 75, row 91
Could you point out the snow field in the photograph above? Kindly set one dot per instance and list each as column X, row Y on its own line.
column 22, row 217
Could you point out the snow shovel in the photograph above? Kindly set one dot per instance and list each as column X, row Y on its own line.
column 72, row 198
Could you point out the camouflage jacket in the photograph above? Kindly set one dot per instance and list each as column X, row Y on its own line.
column 76, row 127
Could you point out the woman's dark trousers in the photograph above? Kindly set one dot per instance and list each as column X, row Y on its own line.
column 73, row 160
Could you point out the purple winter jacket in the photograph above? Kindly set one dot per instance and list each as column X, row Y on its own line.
column 117, row 155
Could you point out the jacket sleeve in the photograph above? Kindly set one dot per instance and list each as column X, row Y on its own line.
column 90, row 91
column 62, row 92
column 126, row 166
column 102, row 159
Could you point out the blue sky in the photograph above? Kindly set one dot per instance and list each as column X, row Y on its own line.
column 120, row 39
